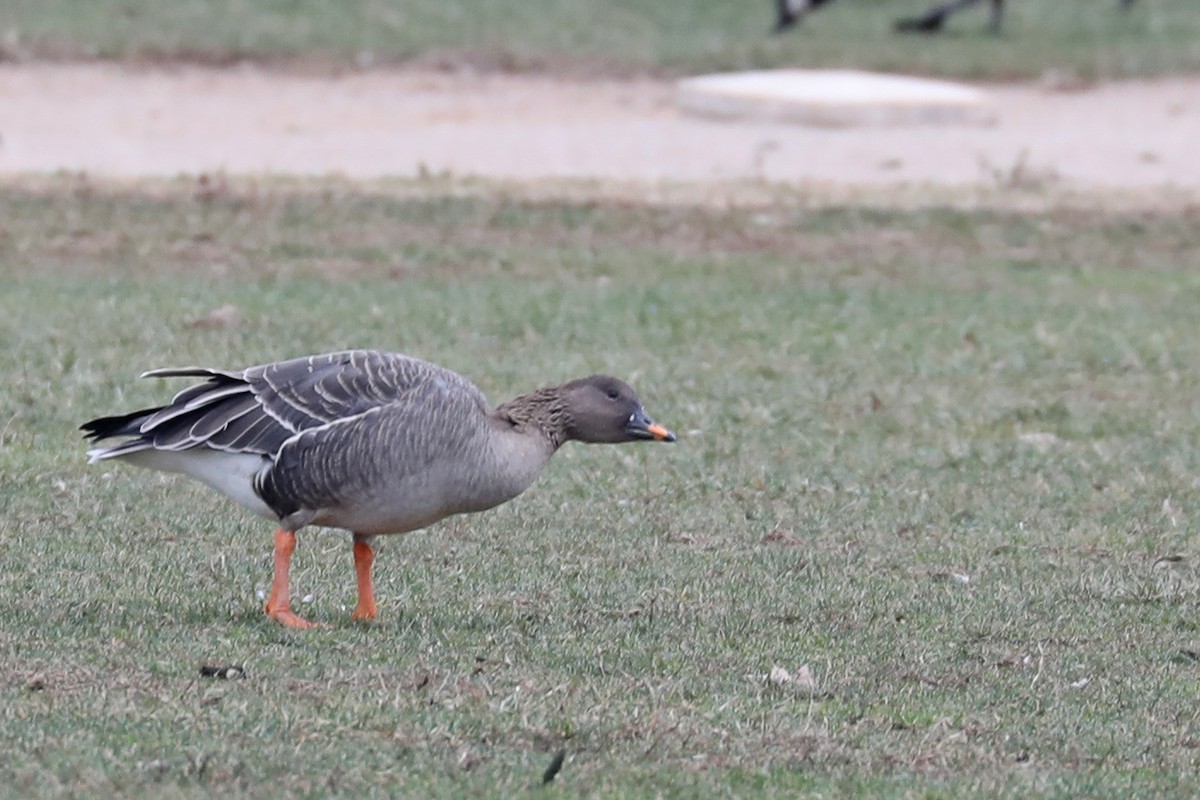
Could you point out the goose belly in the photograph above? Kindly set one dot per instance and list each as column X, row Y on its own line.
column 417, row 501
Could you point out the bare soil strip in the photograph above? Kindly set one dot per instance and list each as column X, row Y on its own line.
column 112, row 121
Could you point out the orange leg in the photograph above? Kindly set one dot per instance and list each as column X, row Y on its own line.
column 364, row 558
column 279, row 605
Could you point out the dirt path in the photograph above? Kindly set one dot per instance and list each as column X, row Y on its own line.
column 118, row 122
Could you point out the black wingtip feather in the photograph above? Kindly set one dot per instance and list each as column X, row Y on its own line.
column 120, row 425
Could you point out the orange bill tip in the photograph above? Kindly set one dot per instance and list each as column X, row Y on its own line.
column 660, row 433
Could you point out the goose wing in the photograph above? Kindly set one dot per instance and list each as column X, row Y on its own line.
column 257, row 410
column 384, row 464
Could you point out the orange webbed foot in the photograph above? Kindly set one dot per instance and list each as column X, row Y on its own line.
column 289, row 619
column 364, row 613
column 279, row 604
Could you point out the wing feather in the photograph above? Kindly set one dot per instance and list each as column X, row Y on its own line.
column 209, row 426
column 316, row 390
column 259, row 409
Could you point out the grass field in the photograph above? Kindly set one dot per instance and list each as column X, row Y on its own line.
column 1087, row 38
column 945, row 460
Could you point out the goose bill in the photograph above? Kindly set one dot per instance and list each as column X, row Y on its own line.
column 642, row 427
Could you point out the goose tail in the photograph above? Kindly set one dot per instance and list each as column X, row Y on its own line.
column 102, row 428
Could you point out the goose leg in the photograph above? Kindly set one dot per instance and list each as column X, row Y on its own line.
column 364, row 558
column 279, row 605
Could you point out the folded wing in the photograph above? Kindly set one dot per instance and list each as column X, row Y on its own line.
column 257, row 410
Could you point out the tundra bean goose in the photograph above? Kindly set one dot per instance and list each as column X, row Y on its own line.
column 370, row 442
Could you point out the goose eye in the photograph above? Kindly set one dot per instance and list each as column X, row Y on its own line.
column 613, row 394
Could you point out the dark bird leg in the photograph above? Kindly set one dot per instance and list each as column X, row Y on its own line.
column 279, row 604
column 364, row 559
column 784, row 18
column 997, row 18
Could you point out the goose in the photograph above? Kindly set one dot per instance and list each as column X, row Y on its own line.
column 933, row 19
column 789, row 12
column 370, row 442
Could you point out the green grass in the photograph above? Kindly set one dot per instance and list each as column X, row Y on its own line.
column 868, row 403
column 1088, row 38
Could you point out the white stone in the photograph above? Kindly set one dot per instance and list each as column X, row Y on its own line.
column 832, row 98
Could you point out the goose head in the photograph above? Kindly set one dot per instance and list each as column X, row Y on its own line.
column 601, row 409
